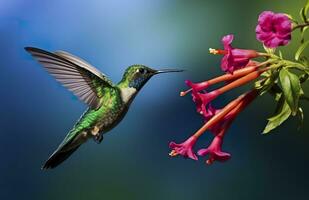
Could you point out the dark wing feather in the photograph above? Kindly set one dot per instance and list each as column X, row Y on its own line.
column 84, row 80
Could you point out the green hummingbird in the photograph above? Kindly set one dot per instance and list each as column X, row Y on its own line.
column 107, row 102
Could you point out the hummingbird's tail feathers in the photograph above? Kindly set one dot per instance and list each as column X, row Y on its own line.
column 58, row 157
column 69, row 145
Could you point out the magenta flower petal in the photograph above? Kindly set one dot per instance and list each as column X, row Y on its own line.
column 227, row 41
column 214, row 151
column 265, row 20
column 185, row 149
column 273, row 29
column 210, row 112
column 202, row 100
column 233, row 58
column 198, row 102
column 197, row 86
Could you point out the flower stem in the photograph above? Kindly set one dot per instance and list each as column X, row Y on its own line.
column 227, row 77
column 300, row 26
column 218, row 116
column 236, row 74
column 241, row 81
column 229, row 107
column 267, row 55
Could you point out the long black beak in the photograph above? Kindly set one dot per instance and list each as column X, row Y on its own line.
column 167, row 71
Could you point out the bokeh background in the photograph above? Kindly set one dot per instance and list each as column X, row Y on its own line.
column 132, row 162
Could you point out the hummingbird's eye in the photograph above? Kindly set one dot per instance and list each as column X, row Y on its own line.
column 142, row 71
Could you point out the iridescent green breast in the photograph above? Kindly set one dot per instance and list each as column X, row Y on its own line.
column 107, row 116
column 111, row 110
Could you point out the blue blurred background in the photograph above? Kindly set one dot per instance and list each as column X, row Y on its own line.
column 132, row 162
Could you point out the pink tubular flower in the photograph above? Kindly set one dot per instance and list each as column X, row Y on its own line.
column 197, row 86
column 202, row 100
column 233, row 58
column 219, row 129
column 253, row 63
column 197, row 98
column 273, row 29
column 211, row 111
column 214, row 151
column 203, row 105
column 250, row 67
column 198, row 102
column 184, row 149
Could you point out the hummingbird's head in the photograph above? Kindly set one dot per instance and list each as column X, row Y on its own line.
column 137, row 75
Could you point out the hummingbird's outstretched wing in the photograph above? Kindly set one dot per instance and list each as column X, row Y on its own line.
column 84, row 80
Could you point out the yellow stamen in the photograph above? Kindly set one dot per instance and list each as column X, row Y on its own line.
column 173, row 153
column 183, row 93
column 213, row 51
column 210, row 161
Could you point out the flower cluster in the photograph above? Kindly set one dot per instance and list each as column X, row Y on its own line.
column 272, row 74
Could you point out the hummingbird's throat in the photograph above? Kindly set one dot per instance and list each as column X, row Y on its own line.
column 127, row 93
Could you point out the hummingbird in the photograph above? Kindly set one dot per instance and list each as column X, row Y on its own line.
column 107, row 102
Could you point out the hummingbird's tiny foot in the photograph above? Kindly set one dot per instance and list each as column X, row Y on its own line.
column 98, row 138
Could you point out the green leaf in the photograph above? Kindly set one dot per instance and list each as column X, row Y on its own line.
column 301, row 49
column 303, row 12
column 266, row 85
column 259, row 84
column 301, row 117
column 302, row 34
column 302, row 68
column 306, row 8
column 283, row 112
column 291, row 89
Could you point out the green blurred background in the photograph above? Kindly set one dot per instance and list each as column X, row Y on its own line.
column 132, row 162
